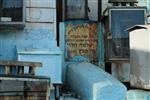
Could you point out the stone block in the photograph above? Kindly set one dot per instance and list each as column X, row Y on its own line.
column 92, row 83
column 138, row 95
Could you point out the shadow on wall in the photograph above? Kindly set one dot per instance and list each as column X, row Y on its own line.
column 140, row 68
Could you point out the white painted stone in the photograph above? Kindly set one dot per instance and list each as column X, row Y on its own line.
column 140, row 56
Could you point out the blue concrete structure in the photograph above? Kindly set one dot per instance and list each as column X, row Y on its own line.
column 92, row 83
column 138, row 95
column 51, row 60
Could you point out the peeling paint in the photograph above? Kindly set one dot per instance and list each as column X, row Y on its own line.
column 82, row 39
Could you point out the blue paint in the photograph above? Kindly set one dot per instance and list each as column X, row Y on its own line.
column 79, row 59
column 50, row 59
column 101, row 49
column 27, row 38
column 92, row 83
column 138, row 94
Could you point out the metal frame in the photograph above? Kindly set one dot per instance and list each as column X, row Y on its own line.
column 114, row 59
column 65, row 17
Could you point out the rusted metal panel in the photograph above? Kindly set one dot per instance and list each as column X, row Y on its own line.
column 82, row 40
column 140, row 56
column 39, row 15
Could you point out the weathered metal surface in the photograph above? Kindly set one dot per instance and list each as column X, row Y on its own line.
column 118, row 40
column 82, row 40
column 140, row 56
column 105, row 4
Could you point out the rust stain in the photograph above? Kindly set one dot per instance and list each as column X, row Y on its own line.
column 82, row 39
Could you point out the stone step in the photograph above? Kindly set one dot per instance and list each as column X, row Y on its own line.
column 138, row 95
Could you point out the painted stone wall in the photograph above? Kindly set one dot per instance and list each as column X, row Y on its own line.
column 39, row 31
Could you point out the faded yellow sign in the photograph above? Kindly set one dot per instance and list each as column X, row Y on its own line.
column 82, row 40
